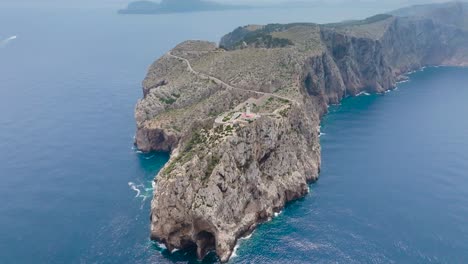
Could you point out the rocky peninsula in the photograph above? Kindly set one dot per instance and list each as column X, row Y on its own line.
column 144, row 7
column 241, row 119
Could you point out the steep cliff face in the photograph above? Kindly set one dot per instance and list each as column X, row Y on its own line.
column 361, row 62
column 453, row 13
column 242, row 121
column 411, row 43
column 227, row 181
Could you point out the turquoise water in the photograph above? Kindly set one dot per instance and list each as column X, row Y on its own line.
column 393, row 188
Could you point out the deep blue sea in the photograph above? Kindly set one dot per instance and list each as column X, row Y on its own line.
column 394, row 182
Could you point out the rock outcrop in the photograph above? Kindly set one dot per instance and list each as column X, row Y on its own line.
column 242, row 121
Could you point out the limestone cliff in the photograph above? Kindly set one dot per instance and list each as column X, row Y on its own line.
column 241, row 120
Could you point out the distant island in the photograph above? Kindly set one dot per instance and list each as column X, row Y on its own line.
column 176, row 6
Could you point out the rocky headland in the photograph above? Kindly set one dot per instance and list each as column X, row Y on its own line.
column 176, row 6
column 241, row 119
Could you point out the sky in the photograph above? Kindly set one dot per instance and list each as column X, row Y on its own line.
column 123, row 3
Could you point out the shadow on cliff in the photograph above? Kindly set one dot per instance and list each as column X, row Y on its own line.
column 189, row 256
column 186, row 256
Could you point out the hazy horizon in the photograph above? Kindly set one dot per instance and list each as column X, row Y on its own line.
column 390, row 4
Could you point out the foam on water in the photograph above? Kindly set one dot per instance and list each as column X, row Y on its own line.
column 278, row 213
column 363, row 93
column 160, row 246
column 247, row 237
column 136, row 150
column 234, row 252
column 134, row 187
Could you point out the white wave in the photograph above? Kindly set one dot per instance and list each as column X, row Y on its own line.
column 278, row 214
column 160, row 245
column 234, row 252
column 6, row 41
column 321, row 134
column 144, row 199
column 247, row 237
column 363, row 93
column 134, row 187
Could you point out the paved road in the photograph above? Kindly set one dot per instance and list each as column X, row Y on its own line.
column 220, row 82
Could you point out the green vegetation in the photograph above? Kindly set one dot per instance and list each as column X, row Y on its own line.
column 168, row 101
column 195, row 140
column 187, row 154
column 229, row 129
column 369, row 20
column 259, row 36
column 228, row 116
column 284, row 112
column 213, row 113
column 171, row 166
column 264, row 40
column 214, row 161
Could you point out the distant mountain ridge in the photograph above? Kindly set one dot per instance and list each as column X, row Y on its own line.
column 176, row 6
column 452, row 13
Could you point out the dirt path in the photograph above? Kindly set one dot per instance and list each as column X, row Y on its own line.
column 220, row 82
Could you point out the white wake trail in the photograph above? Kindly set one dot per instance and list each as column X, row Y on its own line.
column 6, row 41
column 134, row 187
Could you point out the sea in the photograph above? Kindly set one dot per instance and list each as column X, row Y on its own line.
column 73, row 189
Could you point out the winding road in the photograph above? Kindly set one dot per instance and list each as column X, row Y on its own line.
column 220, row 82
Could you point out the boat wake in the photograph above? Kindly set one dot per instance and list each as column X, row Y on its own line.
column 6, row 41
